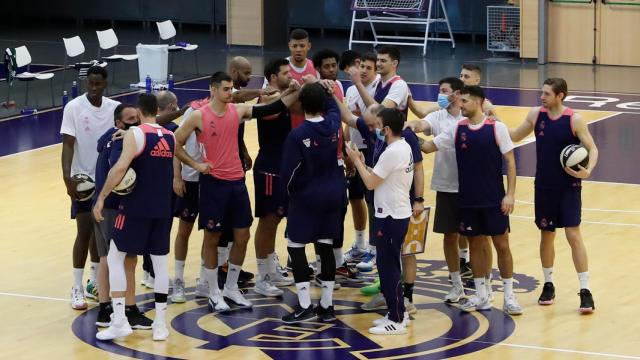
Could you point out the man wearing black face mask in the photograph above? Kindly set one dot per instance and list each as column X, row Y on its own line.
column 109, row 149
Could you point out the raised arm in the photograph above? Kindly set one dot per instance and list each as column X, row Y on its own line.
column 582, row 132
column 421, row 110
column 524, row 129
column 370, row 180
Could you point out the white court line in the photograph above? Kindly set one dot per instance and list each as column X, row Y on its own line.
column 582, row 222
column 589, row 209
column 39, row 297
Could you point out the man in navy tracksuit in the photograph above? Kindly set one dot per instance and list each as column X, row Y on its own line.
column 316, row 187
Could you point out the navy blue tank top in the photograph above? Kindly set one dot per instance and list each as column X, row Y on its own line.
column 479, row 165
column 152, row 196
column 272, row 132
column 553, row 135
column 382, row 92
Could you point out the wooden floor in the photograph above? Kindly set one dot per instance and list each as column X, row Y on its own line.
column 37, row 321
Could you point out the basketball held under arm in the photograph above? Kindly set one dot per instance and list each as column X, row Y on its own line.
column 68, row 148
column 129, row 151
column 581, row 130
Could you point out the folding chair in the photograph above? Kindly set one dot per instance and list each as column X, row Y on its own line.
column 23, row 58
column 73, row 48
column 166, row 30
column 109, row 40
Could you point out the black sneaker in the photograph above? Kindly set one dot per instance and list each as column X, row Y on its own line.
column 104, row 316
column 465, row 270
column 243, row 279
column 299, row 314
column 325, row 315
column 586, row 302
column 548, row 294
column 136, row 319
column 245, row 276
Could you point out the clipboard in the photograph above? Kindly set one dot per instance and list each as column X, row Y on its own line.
column 415, row 241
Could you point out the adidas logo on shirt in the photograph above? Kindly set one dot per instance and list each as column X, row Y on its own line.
column 162, row 149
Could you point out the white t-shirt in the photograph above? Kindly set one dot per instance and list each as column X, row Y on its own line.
column 398, row 93
column 445, row 167
column 86, row 123
column 446, row 140
column 355, row 102
column 193, row 148
column 395, row 166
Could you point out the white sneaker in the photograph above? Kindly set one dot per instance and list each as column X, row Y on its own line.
column 368, row 261
column 78, row 301
column 236, row 298
column 115, row 331
column 355, row 254
column 389, row 328
column 160, row 332
column 149, row 283
column 280, row 280
column 511, row 305
column 376, row 303
column 202, row 288
column 475, row 304
column 455, row 294
column 409, row 307
column 406, row 321
column 217, row 303
column 178, row 295
column 489, row 290
column 145, row 276
column 266, row 288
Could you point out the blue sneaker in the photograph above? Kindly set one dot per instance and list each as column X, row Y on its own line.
column 354, row 255
column 368, row 261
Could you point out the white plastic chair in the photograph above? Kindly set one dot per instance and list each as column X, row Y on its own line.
column 109, row 40
column 75, row 47
column 166, row 30
column 23, row 58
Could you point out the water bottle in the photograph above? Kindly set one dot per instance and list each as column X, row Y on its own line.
column 65, row 99
column 28, row 111
column 170, row 83
column 74, row 90
column 148, row 83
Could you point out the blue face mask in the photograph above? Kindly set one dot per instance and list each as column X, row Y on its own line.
column 379, row 134
column 443, row 101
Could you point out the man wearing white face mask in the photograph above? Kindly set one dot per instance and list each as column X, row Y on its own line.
column 445, row 178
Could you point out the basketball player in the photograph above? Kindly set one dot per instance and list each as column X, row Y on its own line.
column 392, row 92
column 109, row 150
column 224, row 200
column 314, row 176
column 558, row 202
column 360, row 251
column 349, row 59
column 391, row 178
column 470, row 75
column 84, row 120
column 369, row 126
column 445, row 179
column 271, row 203
column 480, row 144
column 143, row 223
column 299, row 66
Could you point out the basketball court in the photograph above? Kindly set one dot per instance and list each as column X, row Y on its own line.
column 38, row 322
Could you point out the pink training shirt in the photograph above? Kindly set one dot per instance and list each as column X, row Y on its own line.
column 309, row 69
column 219, row 139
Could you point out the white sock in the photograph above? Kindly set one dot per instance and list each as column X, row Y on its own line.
column 263, row 267
column 455, row 278
column 118, row 310
column 180, row 270
column 232, row 276
column 326, row 298
column 318, row 264
column 226, row 257
column 464, row 254
column 481, row 287
column 584, row 280
column 272, row 264
column 202, row 272
column 304, row 296
column 77, row 276
column 361, row 241
column 548, row 274
column 161, row 312
column 211, row 275
column 223, row 252
column 94, row 271
column 508, row 286
column 337, row 253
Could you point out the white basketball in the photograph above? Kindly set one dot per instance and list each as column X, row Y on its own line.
column 85, row 188
column 574, row 155
column 127, row 183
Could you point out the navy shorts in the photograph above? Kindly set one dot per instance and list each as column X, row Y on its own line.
column 356, row 187
column 79, row 207
column 558, row 208
column 270, row 194
column 223, row 204
column 489, row 221
column 306, row 226
column 187, row 207
column 142, row 236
